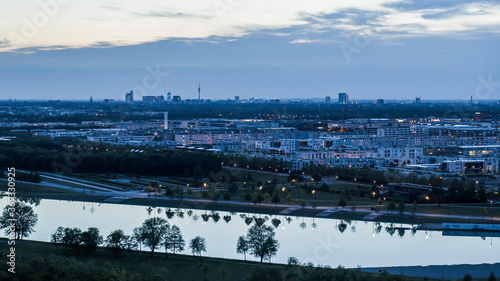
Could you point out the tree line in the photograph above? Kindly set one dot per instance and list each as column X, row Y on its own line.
column 271, row 110
column 44, row 154
column 156, row 233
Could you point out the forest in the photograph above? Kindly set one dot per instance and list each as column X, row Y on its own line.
column 44, row 154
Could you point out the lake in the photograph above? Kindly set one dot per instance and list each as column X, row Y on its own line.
column 316, row 240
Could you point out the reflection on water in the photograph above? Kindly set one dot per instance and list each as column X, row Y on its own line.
column 316, row 240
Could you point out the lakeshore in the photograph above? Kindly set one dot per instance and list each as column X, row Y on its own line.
column 347, row 213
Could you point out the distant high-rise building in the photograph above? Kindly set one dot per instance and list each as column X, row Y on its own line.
column 176, row 98
column 153, row 99
column 328, row 99
column 237, row 98
column 478, row 117
column 90, row 100
column 129, row 97
column 417, row 100
column 169, row 96
column 380, row 101
column 199, row 91
column 165, row 120
column 343, row 98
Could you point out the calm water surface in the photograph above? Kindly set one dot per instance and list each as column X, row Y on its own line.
column 317, row 240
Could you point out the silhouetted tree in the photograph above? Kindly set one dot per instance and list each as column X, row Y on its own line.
column 261, row 241
column 20, row 215
column 174, row 240
column 154, row 231
column 242, row 246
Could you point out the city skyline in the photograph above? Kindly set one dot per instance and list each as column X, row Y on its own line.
column 389, row 50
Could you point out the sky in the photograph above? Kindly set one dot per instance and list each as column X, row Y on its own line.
column 390, row 49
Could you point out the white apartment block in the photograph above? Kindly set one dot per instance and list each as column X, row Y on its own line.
column 402, row 131
column 465, row 166
column 314, row 155
column 407, row 155
column 186, row 139
column 121, row 139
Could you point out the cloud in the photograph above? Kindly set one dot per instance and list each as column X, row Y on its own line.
column 167, row 14
column 81, row 24
column 303, row 41
column 457, row 19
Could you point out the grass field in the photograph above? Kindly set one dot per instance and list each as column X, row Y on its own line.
column 174, row 268
column 68, row 184
column 25, row 189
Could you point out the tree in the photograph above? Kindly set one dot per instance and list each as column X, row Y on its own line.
column 324, row 187
column 492, row 277
column 401, row 208
column 130, row 243
column 153, row 232
column 379, row 201
column 391, row 206
column 248, row 197
column 261, row 241
column 91, row 239
column 276, row 199
column 467, row 277
column 293, row 261
column 72, row 238
column 242, row 246
column 342, row 193
column 21, row 216
column 259, row 198
column 198, row 172
column 227, row 196
column 198, row 246
column 116, row 240
column 138, row 235
column 484, row 211
column 57, row 236
column 342, row 203
column 170, row 193
column 174, row 240
column 414, row 207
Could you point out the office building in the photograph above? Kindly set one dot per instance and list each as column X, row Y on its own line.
column 343, row 98
column 153, row 99
column 129, row 97
column 165, row 120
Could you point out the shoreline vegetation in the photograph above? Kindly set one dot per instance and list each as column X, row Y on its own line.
column 346, row 213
